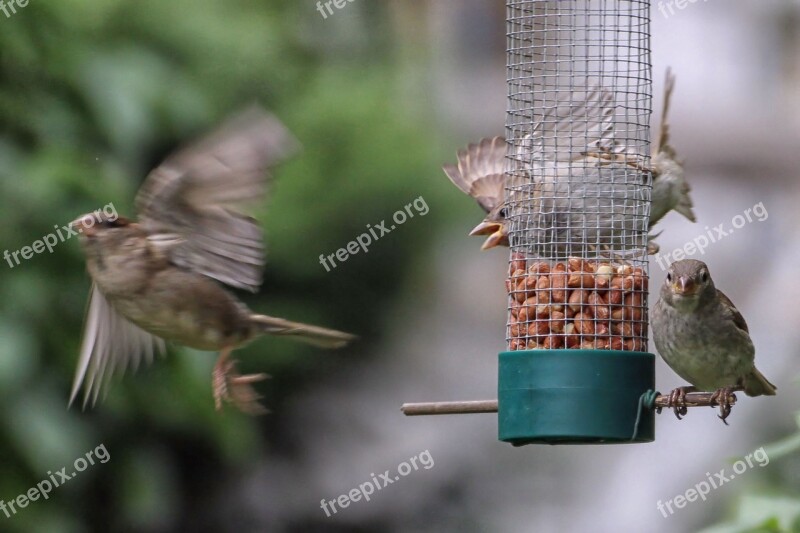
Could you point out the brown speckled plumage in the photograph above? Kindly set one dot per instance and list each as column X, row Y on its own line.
column 702, row 336
column 161, row 278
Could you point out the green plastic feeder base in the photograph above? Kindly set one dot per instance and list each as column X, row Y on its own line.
column 575, row 397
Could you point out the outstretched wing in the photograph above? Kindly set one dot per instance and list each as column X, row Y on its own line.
column 479, row 171
column 577, row 123
column 110, row 343
column 192, row 204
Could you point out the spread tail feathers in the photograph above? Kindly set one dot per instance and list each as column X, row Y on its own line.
column 322, row 337
column 755, row 384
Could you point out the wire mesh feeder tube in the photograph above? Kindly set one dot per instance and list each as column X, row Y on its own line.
column 578, row 199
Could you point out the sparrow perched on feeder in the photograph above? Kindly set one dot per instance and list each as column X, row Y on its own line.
column 161, row 278
column 480, row 168
column 704, row 338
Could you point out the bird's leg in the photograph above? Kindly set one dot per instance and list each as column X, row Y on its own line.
column 720, row 397
column 232, row 387
column 677, row 401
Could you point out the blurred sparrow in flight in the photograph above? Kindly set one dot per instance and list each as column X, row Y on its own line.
column 704, row 338
column 161, row 277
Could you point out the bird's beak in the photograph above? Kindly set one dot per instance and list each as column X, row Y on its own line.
column 485, row 228
column 684, row 286
column 495, row 232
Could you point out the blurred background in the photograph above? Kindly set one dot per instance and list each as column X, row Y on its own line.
column 94, row 93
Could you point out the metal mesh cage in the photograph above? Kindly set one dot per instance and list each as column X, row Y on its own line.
column 578, row 185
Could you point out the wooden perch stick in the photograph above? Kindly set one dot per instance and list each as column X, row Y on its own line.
column 693, row 399
column 449, row 408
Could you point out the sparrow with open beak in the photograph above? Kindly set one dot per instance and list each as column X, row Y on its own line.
column 161, row 278
column 479, row 173
column 480, row 168
column 589, row 120
column 704, row 338
column 573, row 192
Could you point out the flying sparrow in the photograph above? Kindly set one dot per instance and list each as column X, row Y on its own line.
column 704, row 338
column 479, row 171
column 480, row 168
column 161, row 278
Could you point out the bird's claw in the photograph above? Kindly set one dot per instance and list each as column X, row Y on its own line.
column 229, row 386
column 722, row 398
column 677, row 402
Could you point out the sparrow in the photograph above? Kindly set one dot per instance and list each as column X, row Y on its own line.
column 480, row 174
column 479, row 171
column 703, row 337
column 574, row 196
column 163, row 277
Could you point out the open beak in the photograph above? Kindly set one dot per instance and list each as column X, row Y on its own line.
column 495, row 232
column 485, row 228
column 684, row 286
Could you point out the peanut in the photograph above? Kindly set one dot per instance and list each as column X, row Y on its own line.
column 598, row 306
column 553, row 342
column 632, row 306
column 572, row 339
column 557, row 322
column 617, row 343
column 603, row 275
column 539, row 328
column 582, row 280
column 584, row 324
column 539, row 267
column 558, row 282
column 517, row 263
column 577, row 299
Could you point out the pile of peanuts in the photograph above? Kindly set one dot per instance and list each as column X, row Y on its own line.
column 578, row 304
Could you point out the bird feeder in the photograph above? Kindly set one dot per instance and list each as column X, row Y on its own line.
column 576, row 369
column 578, row 198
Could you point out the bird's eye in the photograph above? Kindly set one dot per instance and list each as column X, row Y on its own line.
column 704, row 276
column 504, row 212
column 669, row 277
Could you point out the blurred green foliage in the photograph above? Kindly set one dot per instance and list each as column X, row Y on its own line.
column 774, row 504
column 94, row 93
